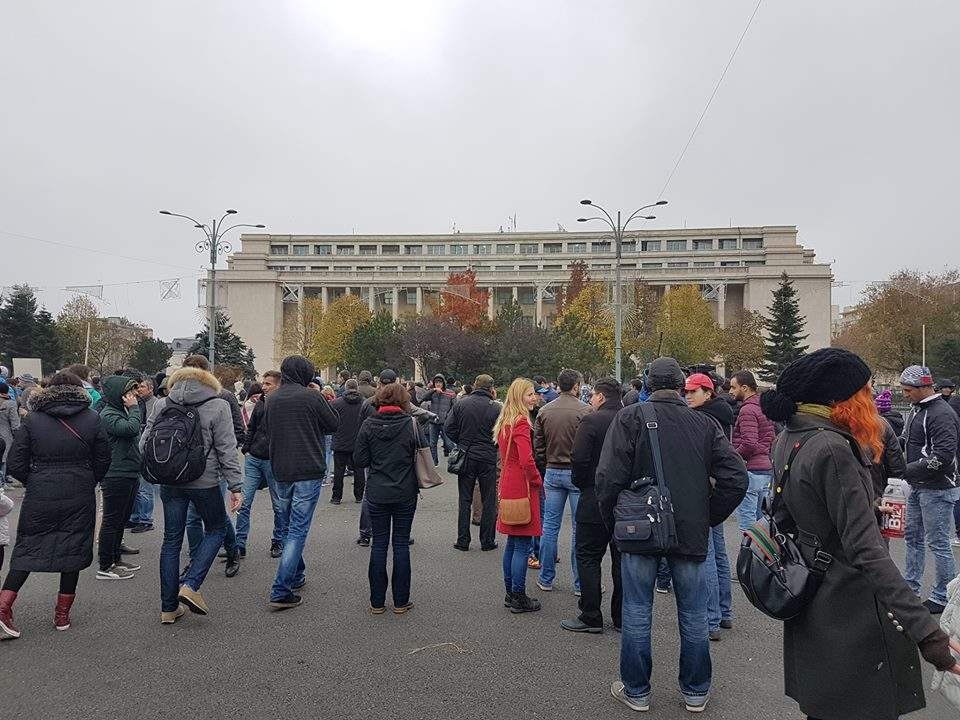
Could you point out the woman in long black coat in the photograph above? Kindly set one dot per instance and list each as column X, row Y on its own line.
column 59, row 453
column 852, row 653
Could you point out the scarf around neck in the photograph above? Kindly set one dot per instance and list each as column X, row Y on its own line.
column 816, row 409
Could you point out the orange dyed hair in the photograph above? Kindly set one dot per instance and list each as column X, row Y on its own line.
column 859, row 415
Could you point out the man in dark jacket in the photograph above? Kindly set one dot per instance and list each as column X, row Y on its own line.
column 257, row 471
column 694, row 450
column 470, row 425
column 121, row 419
column 298, row 418
column 931, row 437
column 345, row 440
column 441, row 403
column 753, row 436
column 592, row 535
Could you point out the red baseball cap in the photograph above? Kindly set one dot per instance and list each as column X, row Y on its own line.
column 699, row 380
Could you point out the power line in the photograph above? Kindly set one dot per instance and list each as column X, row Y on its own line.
column 95, row 250
column 710, row 100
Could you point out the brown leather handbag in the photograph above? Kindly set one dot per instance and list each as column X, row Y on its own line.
column 427, row 475
column 515, row 511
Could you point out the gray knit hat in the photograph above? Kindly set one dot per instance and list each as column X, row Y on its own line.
column 916, row 376
column 665, row 374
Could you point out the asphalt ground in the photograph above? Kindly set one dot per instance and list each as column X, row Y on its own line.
column 459, row 654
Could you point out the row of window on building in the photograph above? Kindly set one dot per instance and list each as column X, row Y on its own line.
column 480, row 268
column 549, row 248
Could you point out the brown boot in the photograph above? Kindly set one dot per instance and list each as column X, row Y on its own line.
column 61, row 615
column 7, row 629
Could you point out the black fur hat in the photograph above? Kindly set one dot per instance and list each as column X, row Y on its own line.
column 822, row 377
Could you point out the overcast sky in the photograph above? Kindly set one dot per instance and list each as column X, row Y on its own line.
column 399, row 117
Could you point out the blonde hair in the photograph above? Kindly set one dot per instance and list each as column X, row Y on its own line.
column 513, row 406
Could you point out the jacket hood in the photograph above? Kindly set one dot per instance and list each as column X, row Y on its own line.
column 389, row 426
column 114, row 388
column 353, row 397
column 190, row 385
column 297, row 369
column 441, row 378
column 720, row 409
column 60, row 400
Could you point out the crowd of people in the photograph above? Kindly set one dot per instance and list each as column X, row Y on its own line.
column 706, row 448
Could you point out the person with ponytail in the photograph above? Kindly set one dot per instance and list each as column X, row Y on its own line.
column 864, row 616
column 519, row 478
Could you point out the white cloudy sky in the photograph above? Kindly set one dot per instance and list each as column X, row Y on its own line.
column 386, row 116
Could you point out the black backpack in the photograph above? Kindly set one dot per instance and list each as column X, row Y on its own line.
column 173, row 453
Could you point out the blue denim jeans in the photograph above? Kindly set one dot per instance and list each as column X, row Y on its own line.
column 535, row 545
column 392, row 523
column 749, row 510
column 437, row 433
column 255, row 470
column 209, row 506
column 195, row 528
column 328, row 457
column 515, row 556
column 716, row 574
column 930, row 524
column 297, row 501
column 559, row 488
column 143, row 504
column 639, row 573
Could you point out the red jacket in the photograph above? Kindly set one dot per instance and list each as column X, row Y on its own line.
column 519, row 475
column 753, row 435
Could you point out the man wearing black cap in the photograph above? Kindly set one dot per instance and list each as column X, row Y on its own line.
column 947, row 388
column 694, row 450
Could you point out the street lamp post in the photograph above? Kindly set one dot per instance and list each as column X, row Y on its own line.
column 214, row 244
column 618, row 229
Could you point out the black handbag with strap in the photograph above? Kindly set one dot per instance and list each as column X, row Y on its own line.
column 774, row 575
column 643, row 516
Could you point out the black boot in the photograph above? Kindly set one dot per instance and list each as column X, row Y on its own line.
column 233, row 564
column 508, row 600
column 523, row 604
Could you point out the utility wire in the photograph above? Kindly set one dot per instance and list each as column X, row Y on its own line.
column 710, row 100
column 95, row 250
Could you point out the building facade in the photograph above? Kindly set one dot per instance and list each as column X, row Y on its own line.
column 737, row 269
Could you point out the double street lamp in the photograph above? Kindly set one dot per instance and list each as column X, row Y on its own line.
column 214, row 244
column 618, row 228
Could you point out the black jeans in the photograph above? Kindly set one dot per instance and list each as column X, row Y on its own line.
column 382, row 516
column 118, row 498
column 16, row 579
column 484, row 473
column 593, row 539
column 341, row 460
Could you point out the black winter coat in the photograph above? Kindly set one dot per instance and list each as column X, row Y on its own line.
column 587, row 445
column 693, row 450
column 236, row 415
column 386, row 444
column 891, row 465
column 895, row 418
column 298, row 418
column 721, row 411
column 931, row 437
column 470, row 425
column 348, row 408
column 256, row 441
column 59, row 472
column 441, row 402
column 844, row 658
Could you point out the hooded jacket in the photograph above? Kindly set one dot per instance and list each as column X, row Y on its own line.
column 721, row 411
column 193, row 386
column 441, row 401
column 693, row 450
column 297, row 420
column 387, row 444
column 122, row 426
column 931, row 443
column 59, row 471
column 348, row 408
column 9, row 422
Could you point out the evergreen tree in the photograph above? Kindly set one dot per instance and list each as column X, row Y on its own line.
column 26, row 332
column 784, row 331
column 229, row 349
column 46, row 341
column 150, row 355
column 375, row 344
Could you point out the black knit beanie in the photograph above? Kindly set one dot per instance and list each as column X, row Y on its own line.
column 822, row 377
column 665, row 374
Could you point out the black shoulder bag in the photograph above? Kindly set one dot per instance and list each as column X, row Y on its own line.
column 643, row 516
column 773, row 573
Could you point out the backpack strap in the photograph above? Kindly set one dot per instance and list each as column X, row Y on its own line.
column 650, row 418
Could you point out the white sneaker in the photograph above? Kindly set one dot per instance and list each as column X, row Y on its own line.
column 114, row 573
column 955, row 542
column 637, row 704
column 545, row 588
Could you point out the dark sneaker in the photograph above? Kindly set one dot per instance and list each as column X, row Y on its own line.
column 524, row 604
column 508, row 600
column 127, row 550
column 461, row 548
column 276, row 549
column 289, row 601
column 638, row 704
column 114, row 573
column 663, row 587
column 335, row 501
column 242, row 551
column 129, row 567
column 935, row 608
column 141, row 528
column 715, row 636
column 233, row 565
column 726, row 624
column 363, row 540
column 579, row 626
column 488, row 548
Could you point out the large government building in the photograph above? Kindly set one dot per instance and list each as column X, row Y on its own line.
column 735, row 268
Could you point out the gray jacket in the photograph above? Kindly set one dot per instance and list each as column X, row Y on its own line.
column 9, row 422
column 189, row 386
column 6, row 505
